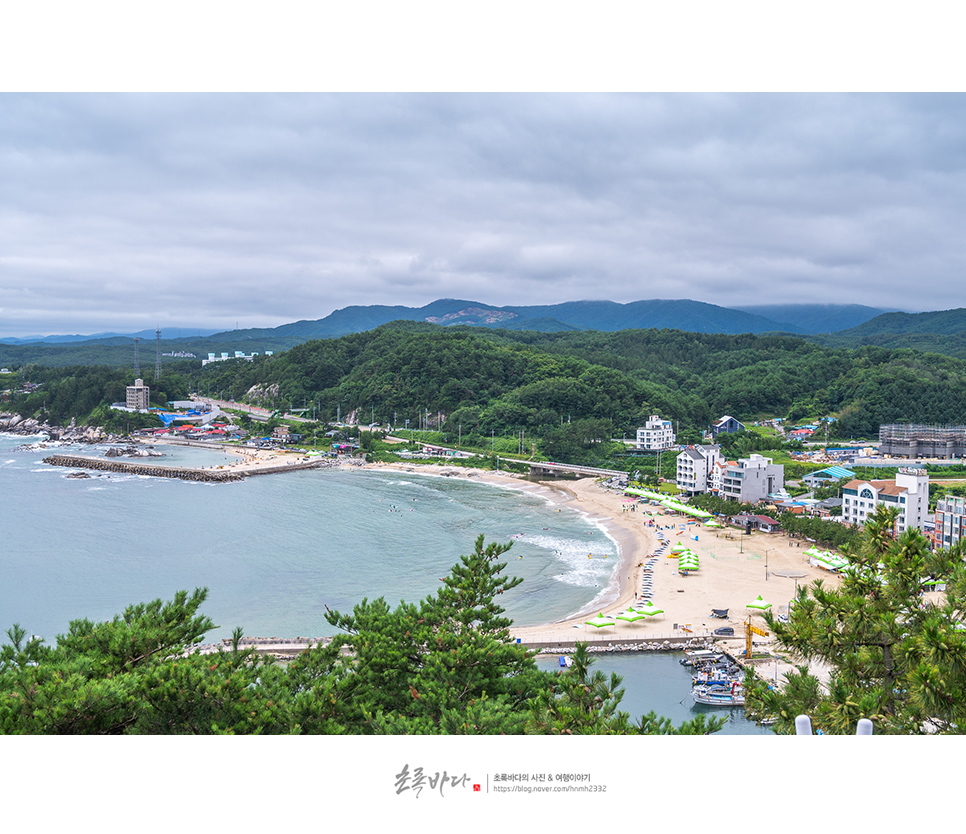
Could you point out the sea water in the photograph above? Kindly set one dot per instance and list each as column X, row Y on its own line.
column 276, row 551
column 657, row 682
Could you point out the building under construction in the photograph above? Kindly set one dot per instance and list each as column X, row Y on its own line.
column 908, row 440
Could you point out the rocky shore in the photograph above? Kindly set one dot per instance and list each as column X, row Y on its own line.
column 27, row 426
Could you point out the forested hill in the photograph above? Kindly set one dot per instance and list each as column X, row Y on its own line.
column 501, row 381
column 943, row 332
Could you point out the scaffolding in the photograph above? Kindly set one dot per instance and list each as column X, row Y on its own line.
column 918, row 431
column 920, row 440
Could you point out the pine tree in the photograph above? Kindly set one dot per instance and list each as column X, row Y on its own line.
column 583, row 703
column 893, row 657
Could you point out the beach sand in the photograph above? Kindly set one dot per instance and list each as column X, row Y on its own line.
column 732, row 573
column 735, row 568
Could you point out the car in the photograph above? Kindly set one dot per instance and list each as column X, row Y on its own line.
column 725, row 631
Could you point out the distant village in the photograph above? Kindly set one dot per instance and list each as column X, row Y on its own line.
column 702, row 468
column 755, row 479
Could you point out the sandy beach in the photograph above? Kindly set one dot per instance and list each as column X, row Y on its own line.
column 735, row 568
column 732, row 573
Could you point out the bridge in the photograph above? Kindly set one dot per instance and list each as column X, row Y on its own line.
column 545, row 468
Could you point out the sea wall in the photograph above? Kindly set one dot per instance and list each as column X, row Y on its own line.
column 133, row 468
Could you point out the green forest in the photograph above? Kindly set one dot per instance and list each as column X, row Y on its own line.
column 571, row 392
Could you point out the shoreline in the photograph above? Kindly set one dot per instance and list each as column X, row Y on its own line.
column 582, row 496
column 735, row 568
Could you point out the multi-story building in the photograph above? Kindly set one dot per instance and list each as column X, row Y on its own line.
column 915, row 440
column 656, row 434
column 752, row 479
column 138, row 396
column 696, row 466
column 950, row 520
column 908, row 493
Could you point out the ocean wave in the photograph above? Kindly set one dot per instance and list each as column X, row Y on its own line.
column 580, row 571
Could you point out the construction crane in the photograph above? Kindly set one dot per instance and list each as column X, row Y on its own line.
column 749, row 631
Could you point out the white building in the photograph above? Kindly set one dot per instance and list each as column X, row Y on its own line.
column 908, row 493
column 752, row 479
column 238, row 354
column 696, row 467
column 656, row 434
column 138, row 396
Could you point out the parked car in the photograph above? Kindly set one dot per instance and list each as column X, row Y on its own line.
column 725, row 631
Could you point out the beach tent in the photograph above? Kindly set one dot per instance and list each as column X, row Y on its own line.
column 649, row 608
column 600, row 621
column 759, row 604
column 688, row 562
column 631, row 616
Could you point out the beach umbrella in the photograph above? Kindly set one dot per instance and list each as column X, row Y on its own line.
column 759, row 604
column 600, row 621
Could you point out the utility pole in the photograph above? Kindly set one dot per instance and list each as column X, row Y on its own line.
column 157, row 355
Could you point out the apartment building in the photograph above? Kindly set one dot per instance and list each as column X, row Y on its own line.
column 138, row 396
column 752, row 479
column 908, row 493
column 696, row 467
column 656, row 434
column 950, row 520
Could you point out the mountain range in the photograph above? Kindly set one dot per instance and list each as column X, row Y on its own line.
column 684, row 314
column 840, row 325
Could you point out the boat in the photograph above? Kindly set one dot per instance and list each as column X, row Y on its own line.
column 695, row 656
column 719, row 695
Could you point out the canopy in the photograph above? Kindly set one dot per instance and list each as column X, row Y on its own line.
column 759, row 603
column 649, row 608
column 600, row 621
column 631, row 616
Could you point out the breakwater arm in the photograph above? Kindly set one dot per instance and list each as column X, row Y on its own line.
column 185, row 473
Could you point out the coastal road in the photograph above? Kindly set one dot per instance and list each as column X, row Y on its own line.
column 256, row 412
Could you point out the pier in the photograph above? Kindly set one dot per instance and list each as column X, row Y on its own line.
column 185, row 473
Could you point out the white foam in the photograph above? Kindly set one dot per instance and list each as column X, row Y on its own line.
column 579, row 571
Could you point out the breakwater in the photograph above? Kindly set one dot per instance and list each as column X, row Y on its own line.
column 185, row 473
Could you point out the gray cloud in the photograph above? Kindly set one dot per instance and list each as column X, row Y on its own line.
column 126, row 211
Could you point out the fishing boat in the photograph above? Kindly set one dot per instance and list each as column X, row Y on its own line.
column 719, row 695
column 695, row 656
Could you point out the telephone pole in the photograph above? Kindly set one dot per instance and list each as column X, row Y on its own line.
column 157, row 355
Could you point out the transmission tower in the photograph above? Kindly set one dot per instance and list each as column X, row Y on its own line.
column 137, row 361
column 157, row 355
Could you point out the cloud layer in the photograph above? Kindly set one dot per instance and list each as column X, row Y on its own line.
column 123, row 212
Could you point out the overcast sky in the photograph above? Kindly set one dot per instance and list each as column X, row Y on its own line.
column 120, row 212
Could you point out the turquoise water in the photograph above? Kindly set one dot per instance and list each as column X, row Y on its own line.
column 275, row 550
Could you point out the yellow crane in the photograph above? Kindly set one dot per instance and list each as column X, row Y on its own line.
column 749, row 631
